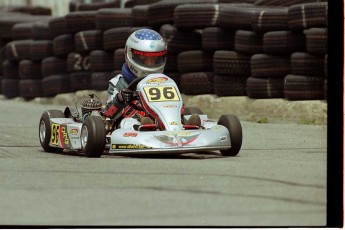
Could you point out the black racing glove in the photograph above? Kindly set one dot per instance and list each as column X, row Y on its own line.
column 124, row 95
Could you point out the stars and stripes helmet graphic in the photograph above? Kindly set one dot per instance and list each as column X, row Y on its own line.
column 145, row 52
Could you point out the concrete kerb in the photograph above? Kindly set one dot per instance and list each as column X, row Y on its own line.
column 253, row 110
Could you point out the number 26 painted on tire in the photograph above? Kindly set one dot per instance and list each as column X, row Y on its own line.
column 161, row 93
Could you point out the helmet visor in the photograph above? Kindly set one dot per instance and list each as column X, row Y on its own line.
column 149, row 59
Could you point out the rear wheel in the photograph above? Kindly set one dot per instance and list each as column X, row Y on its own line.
column 45, row 129
column 232, row 123
column 93, row 136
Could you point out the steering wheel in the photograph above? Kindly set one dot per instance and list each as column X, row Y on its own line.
column 133, row 86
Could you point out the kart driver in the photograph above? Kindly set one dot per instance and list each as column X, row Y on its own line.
column 145, row 53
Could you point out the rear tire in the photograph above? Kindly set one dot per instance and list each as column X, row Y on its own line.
column 93, row 137
column 45, row 129
column 232, row 123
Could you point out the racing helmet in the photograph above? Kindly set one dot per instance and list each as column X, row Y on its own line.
column 145, row 52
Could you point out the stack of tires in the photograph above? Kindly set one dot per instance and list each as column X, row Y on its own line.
column 307, row 79
column 18, row 74
column 254, row 48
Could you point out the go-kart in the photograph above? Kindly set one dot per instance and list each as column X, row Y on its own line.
column 158, row 97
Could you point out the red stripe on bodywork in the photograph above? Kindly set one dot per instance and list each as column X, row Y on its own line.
column 151, row 112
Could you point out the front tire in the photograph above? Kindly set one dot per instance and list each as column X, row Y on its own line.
column 232, row 123
column 93, row 137
column 45, row 129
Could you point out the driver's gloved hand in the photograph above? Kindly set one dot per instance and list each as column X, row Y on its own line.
column 124, row 95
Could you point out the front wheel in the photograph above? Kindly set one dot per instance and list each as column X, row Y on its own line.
column 93, row 136
column 232, row 123
column 45, row 129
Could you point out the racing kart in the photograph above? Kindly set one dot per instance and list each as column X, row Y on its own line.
column 158, row 96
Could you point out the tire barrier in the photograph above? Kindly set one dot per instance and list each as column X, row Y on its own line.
column 18, row 50
column 197, row 83
column 283, row 42
column 10, row 69
column 248, row 42
column 115, row 38
column 216, row 38
column 10, row 87
column 41, row 31
column 307, row 64
column 196, row 16
column 22, row 31
column 100, row 80
column 29, row 69
column 80, row 80
column 63, row 45
column 229, row 85
column 264, row 88
column 281, row 3
column 88, row 40
column 58, row 26
column 231, row 63
column 255, row 48
column 184, row 41
column 270, row 19
column 30, row 88
column 237, row 16
column 272, row 66
column 300, row 87
column 304, row 16
column 139, row 15
column 41, row 49
column 101, row 60
column 56, row 84
column 80, row 20
column 119, row 58
column 54, row 66
column 111, row 17
column 77, row 62
column 81, row 6
column 316, row 40
column 192, row 61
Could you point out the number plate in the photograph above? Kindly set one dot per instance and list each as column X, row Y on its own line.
column 161, row 93
column 54, row 139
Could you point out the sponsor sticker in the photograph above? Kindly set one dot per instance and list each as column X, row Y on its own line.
column 130, row 146
column 74, row 132
column 129, row 134
column 157, row 80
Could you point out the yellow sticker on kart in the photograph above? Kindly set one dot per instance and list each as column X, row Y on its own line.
column 54, row 137
column 161, row 93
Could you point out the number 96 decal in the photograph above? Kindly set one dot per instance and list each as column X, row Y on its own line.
column 161, row 93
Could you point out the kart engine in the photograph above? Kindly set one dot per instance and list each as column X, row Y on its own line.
column 90, row 104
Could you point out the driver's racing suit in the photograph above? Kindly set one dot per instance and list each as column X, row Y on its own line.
column 115, row 109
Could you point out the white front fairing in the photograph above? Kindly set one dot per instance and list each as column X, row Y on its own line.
column 161, row 97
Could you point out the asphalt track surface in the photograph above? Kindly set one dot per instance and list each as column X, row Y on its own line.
column 278, row 179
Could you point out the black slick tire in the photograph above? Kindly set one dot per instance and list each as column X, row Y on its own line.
column 93, row 137
column 232, row 123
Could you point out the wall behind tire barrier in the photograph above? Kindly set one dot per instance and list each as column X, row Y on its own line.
column 58, row 7
column 252, row 48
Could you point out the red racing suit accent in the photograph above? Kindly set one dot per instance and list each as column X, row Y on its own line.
column 114, row 108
